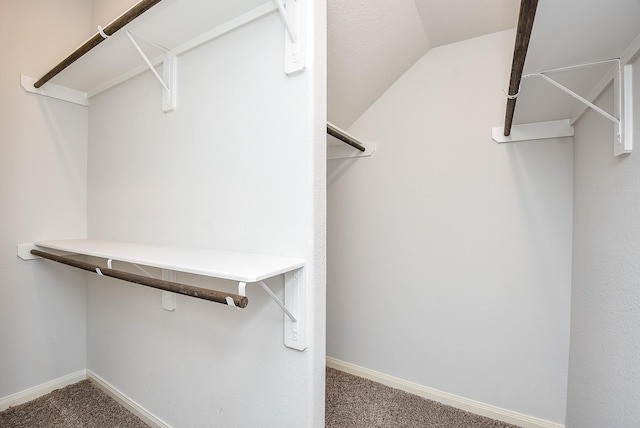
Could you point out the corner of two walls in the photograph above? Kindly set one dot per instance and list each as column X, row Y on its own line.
column 457, row 250
column 43, row 194
column 603, row 367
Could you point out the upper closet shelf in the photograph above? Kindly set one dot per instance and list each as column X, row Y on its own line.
column 234, row 266
column 583, row 81
column 156, row 32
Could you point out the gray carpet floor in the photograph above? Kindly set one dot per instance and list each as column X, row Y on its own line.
column 352, row 402
column 80, row 405
column 355, row 402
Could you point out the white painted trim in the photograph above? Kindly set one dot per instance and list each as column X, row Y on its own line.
column 533, row 131
column 456, row 401
column 135, row 408
column 40, row 390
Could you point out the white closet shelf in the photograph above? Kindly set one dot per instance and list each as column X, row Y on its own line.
column 164, row 31
column 229, row 265
column 234, row 266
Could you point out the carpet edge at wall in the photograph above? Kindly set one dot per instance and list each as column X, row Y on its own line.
column 458, row 402
column 40, row 390
column 135, row 408
column 50, row 386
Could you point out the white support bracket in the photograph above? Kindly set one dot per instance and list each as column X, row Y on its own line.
column 169, row 298
column 24, row 252
column 293, row 307
column 278, row 301
column 293, row 13
column 295, row 298
column 169, row 78
column 623, row 83
column 623, row 123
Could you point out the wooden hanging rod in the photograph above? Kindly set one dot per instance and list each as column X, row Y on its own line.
column 525, row 25
column 341, row 135
column 174, row 287
column 137, row 10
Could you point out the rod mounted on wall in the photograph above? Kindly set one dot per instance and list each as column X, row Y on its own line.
column 523, row 35
column 347, row 151
column 174, row 287
column 343, row 136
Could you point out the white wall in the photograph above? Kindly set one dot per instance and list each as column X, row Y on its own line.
column 42, row 195
column 105, row 11
column 604, row 375
column 449, row 256
column 240, row 166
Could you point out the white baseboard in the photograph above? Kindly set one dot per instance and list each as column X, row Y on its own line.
column 458, row 402
column 148, row 417
column 40, row 390
column 47, row 387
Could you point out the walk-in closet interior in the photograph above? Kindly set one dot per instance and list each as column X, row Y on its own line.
column 207, row 203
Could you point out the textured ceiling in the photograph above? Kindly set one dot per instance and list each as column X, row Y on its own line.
column 371, row 43
column 450, row 21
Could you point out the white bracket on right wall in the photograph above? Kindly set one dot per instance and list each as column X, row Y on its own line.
column 623, row 84
column 622, row 117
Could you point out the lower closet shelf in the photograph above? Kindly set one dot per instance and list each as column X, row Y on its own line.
column 235, row 266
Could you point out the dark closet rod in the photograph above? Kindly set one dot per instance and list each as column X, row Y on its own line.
column 525, row 25
column 137, row 10
column 334, row 131
column 174, row 287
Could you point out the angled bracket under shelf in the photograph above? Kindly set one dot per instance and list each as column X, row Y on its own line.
column 169, row 79
column 293, row 307
column 622, row 117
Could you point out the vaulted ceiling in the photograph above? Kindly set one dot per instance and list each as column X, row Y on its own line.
column 371, row 43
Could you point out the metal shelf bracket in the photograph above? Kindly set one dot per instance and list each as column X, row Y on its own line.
column 294, row 19
column 169, row 78
column 293, row 307
column 623, row 93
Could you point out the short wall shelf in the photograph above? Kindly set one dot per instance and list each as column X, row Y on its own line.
column 234, row 266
